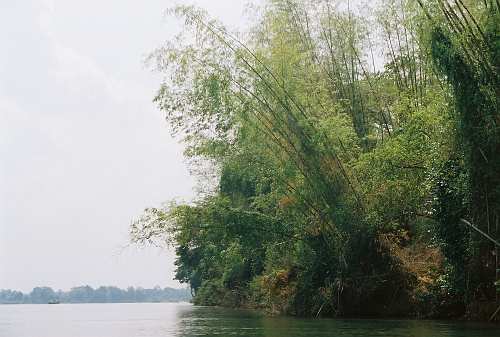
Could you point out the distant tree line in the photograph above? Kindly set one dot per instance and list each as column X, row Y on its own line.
column 87, row 294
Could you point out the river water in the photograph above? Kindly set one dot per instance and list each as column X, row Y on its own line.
column 184, row 320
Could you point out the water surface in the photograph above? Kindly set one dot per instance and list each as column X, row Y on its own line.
column 184, row 320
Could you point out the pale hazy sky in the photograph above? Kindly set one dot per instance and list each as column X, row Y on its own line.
column 83, row 149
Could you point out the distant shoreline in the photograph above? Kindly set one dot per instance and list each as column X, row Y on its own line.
column 73, row 303
column 88, row 295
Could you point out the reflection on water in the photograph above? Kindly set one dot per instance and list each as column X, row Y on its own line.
column 202, row 321
column 184, row 320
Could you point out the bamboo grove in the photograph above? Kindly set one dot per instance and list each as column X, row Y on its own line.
column 348, row 155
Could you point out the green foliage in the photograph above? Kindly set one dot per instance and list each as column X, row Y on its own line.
column 336, row 186
column 469, row 188
column 450, row 203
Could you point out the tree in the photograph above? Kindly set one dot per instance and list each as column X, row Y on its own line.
column 335, row 186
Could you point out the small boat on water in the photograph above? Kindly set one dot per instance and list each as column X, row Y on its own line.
column 53, row 302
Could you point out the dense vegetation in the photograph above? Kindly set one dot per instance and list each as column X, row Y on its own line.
column 333, row 181
column 86, row 294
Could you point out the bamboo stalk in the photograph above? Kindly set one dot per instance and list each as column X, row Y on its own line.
column 494, row 314
column 480, row 232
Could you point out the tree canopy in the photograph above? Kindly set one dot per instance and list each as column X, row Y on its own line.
column 337, row 181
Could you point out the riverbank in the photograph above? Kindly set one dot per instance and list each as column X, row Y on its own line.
column 480, row 312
